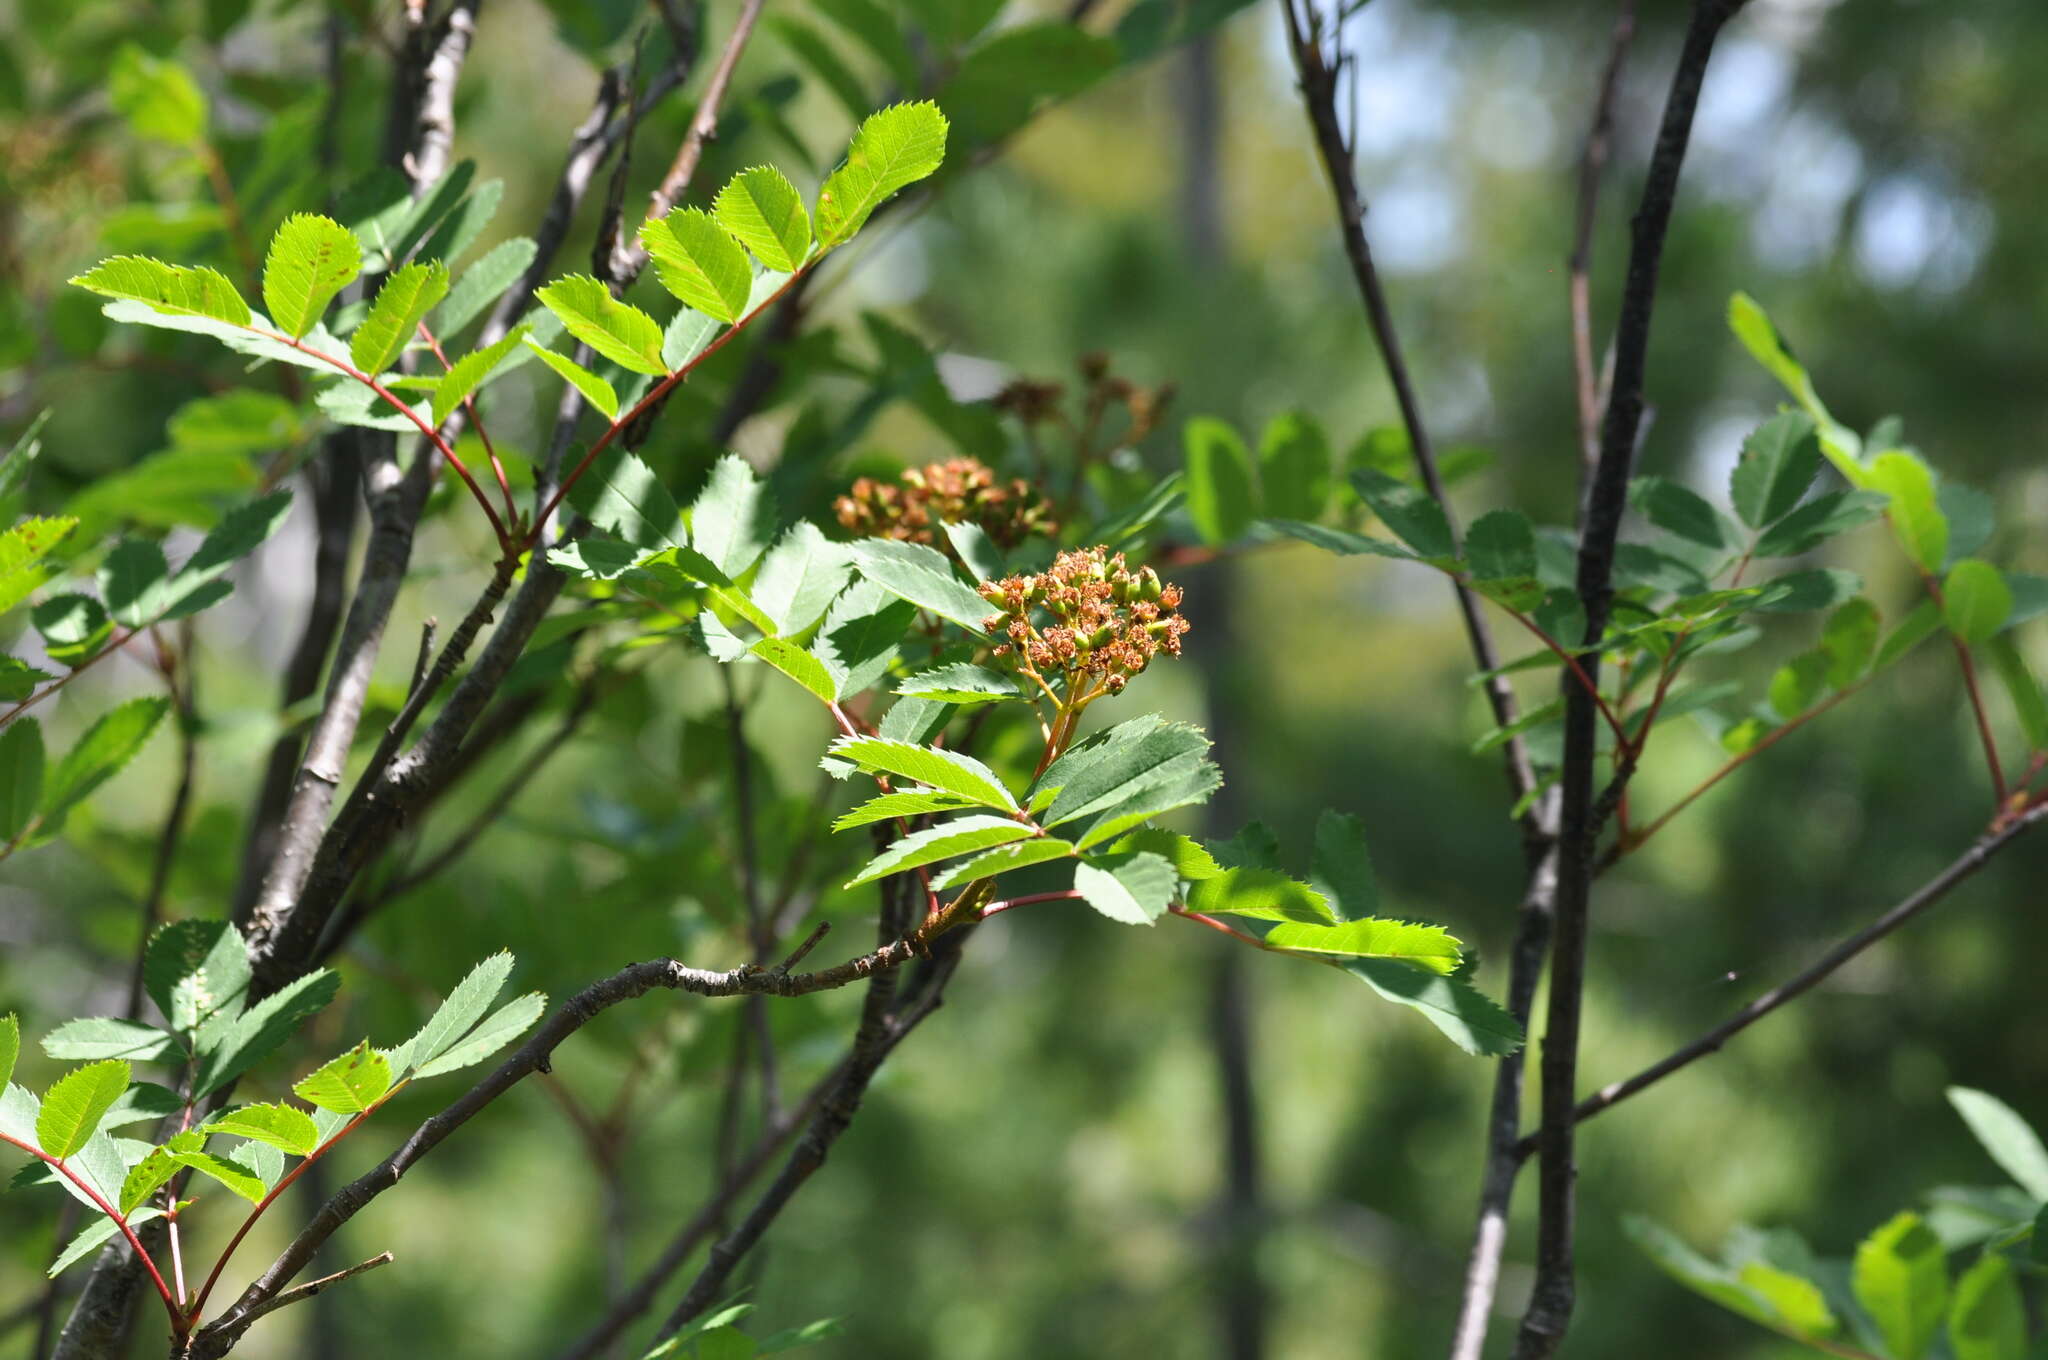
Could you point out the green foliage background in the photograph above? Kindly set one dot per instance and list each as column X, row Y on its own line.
column 1036, row 1173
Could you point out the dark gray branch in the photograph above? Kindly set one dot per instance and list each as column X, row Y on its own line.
column 1551, row 1300
column 1934, row 890
column 536, row 1055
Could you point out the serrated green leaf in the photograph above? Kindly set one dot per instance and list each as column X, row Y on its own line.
column 796, row 663
column 132, row 581
column 961, row 836
column 1679, row 510
column 1021, row 855
column 351, row 1084
column 98, row 1037
column 800, row 577
column 1425, row 946
column 763, row 209
column 1901, row 1279
column 1975, row 600
column 284, row 1127
column 924, row 576
column 907, row 803
column 464, row 1006
column 10, row 1047
column 1221, row 497
column 22, row 549
column 236, row 1178
column 470, row 372
column 107, row 746
column 1102, row 771
column 1816, row 521
column 1779, row 462
column 1414, row 518
column 500, row 1028
column 1761, row 338
column 700, row 262
column 1799, row 1304
column 21, row 780
column 167, row 290
column 595, row 390
column 1342, row 867
column 482, row 283
column 1135, row 887
column 1260, row 894
column 947, row 771
column 1341, row 541
column 228, row 1051
column 961, row 683
column 311, row 259
column 2009, row 1139
column 620, row 332
column 1501, row 546
column 894, row 148
column 1466, row 1016
column 861, row 634
column 1987, row 1320
column 195, row 970
column 733, row 517
column 73, row 1106
column 1915, row 509
column 94, row 1236
column 1805, row 591
column 620, row 495
column 1294, row 467
column 406, row 297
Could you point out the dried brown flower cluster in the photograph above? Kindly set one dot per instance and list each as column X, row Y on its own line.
column 1035, row 403
column 960, row 490
column 1107, row 622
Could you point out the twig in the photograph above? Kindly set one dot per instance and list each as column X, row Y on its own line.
column 325, row 1282
column 1592, row 165
column 535, row 1056
column 1929, row 893
column 630, row 257
column 1551, row 1299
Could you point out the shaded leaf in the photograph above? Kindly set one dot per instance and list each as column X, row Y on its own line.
column 961, row 836
column 1221, row 498
column 1135, row 887
column 500, row 1028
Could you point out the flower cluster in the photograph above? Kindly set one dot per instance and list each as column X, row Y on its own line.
column 1106, row 622
column 960, row 490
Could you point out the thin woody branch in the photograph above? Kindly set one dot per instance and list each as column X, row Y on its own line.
column 1927, row 895
column 536, row 1055
column 1551, row 1300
